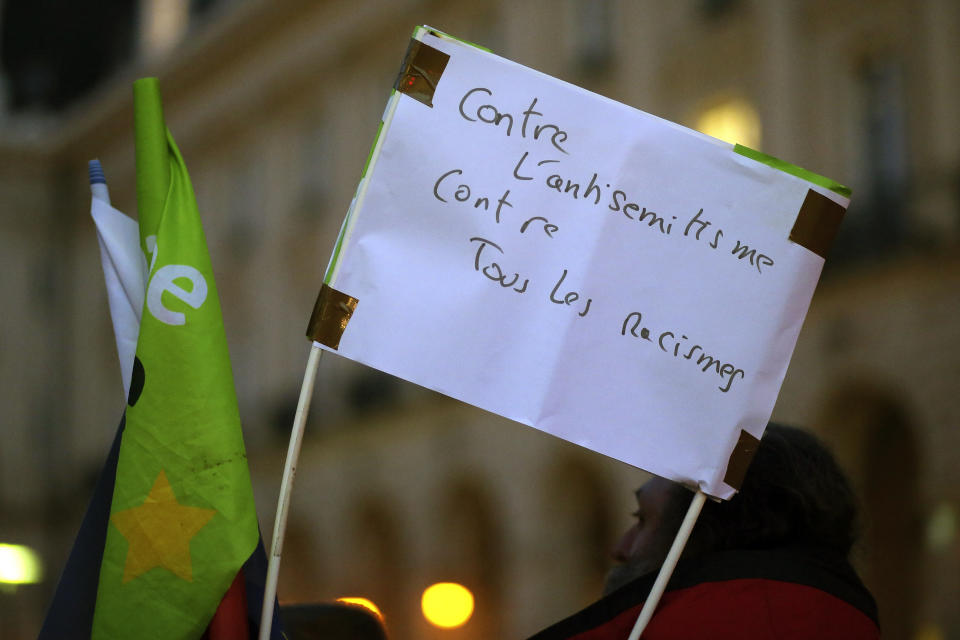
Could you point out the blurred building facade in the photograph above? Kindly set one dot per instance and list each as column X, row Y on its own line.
column 274, row 106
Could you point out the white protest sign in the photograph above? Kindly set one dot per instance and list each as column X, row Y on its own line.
column 578, row 266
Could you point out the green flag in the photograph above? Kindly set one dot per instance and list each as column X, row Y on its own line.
column 182, row 520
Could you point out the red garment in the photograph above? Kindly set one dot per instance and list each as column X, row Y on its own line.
column 753, row 595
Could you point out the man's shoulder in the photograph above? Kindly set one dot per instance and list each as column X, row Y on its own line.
column 768, row 593
column 820, row 569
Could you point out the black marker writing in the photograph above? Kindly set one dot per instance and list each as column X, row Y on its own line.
column 754, row 258
column 490, row 114
column 548, row 228
column 568, row 298
column 493, row 270
column 463, row 193
column 669, row 343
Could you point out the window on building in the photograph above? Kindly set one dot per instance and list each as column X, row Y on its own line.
column 200, row 8
column 163, row 24
column 246, row 201
column 875, row 221
column 468, row 549
column 577, row 501
column 714, row 9
column 314, row 160
column 51, row 54
column 376, row 560
column 592, row 35
column 871, row 433
column 370, row 391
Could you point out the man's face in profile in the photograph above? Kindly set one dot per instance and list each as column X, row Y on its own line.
column 644, row 546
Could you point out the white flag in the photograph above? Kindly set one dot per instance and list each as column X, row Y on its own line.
column 124, row 269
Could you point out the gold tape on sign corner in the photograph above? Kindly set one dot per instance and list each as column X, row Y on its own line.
column 817, row 223
column 740, row 459
column 331, row 314
column 422, row 68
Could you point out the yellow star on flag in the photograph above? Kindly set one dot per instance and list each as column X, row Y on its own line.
column 159, row 532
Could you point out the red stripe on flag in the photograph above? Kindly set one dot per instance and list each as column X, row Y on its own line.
column 230, row 620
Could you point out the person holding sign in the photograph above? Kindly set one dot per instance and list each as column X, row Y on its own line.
column 772, row 562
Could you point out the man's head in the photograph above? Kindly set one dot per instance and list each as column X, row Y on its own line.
column 794, row 494
column 660, row 508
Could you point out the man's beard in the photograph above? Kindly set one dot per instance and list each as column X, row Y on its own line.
column 621, row 574
column 653, row 556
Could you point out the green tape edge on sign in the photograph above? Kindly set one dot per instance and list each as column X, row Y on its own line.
column 441, row 34
column 343, row 227
column 373, row 146
column 328, row 275
column 793, row 170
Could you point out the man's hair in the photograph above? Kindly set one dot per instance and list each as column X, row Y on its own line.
column 794, row 494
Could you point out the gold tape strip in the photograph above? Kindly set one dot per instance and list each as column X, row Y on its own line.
column 330, row 316
column 740, row 459
column 817, row 223
column 422, row 68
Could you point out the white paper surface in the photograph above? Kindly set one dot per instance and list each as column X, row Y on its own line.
column 482, row 277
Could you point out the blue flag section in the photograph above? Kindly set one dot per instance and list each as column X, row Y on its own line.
column 71, row 611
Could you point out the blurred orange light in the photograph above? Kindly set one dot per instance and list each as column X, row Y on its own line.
column 362, row 602
column 447, row 605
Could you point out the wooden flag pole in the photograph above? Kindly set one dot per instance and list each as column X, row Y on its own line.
column 286, row 488
column 666, row 570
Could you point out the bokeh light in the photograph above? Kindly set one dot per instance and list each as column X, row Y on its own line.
column 19, row 565
column 732, row 120
column 942, row 527
column 362, row 602
column 929, row 632
column 447, row 604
